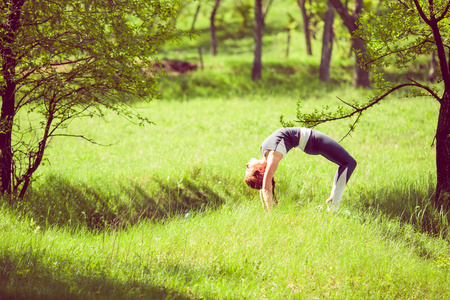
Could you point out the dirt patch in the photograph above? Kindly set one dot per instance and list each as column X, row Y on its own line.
column 175, row 67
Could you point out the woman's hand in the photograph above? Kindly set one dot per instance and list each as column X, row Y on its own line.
column 262, row 198
column 267, row 195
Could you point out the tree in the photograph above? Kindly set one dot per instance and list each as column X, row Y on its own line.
column 305, row 16
column 361, row 76
column 213, row 27
column 327, row 44
column 194, row 20
column 258, row 33
column 397, row 35
column 62, row 60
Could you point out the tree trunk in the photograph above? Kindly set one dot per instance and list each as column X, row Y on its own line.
column 288, row 42
column 327, row 44
column 213, row 28
column 433, row 65
column 257, row 62
column 10, row 25
column 360, row 75
column 6, row 119
column 301, row 4
column 195, row 17
column 442, row 199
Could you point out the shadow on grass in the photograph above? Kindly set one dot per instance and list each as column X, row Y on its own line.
column 32, row 276
column 411, row 204
column 60, row 202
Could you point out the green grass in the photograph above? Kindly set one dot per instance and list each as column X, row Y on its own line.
column 190, row 228
column 163, row 212
column 240, row 252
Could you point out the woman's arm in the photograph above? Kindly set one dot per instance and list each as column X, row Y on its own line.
column 262, row 198
column 273, row 158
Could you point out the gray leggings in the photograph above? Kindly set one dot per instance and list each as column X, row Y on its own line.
column 322, row 144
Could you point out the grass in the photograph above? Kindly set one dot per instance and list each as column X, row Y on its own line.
column 191, row 229
column 247, row 254
column 163, row 213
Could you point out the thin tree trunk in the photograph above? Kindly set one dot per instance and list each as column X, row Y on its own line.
column 327, row 44
column 213, row 28
column 288, row 42
column 301, row 4
column 200, row 57
column 35, row 161
column 433, row 65
column 257, row 61
column 195, row 17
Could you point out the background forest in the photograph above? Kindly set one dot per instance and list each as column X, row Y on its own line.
column 161, row 211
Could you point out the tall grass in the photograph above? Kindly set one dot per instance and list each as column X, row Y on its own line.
column 164, row 213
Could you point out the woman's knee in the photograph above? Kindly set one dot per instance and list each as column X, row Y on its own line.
column 351, row 164
column 354, row 163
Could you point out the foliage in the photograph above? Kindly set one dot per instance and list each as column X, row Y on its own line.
column 69, row 60
column 396, row 34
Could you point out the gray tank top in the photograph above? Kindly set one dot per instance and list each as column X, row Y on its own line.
column 286, row 138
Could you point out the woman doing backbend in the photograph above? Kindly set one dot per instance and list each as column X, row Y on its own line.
column 260, row 172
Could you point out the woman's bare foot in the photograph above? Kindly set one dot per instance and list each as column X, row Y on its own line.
column 329, row 200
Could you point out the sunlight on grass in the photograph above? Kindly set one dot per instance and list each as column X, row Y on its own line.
column 219, row 243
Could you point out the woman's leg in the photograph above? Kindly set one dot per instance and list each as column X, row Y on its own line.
column 333, row 151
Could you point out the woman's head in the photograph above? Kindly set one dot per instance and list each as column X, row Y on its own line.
column 254, row 179
column 254, row 174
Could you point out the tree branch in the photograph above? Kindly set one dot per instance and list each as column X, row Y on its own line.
column 421, row 13
column 400, row 51
column 442, row 16
column 427, row 89
column 84, row 138
column 352, row 127
column 361, row 109
column 349, row 20
column 352, row 106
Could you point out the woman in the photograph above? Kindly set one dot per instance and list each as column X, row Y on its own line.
column 259, row 174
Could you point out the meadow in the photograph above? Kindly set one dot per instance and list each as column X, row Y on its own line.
column 162, row 212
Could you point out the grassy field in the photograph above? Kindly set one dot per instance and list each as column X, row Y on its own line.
column 162, row 212
column 183, row 225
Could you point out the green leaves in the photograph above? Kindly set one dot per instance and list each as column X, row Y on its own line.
column 396, row 34
column 75, row 59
